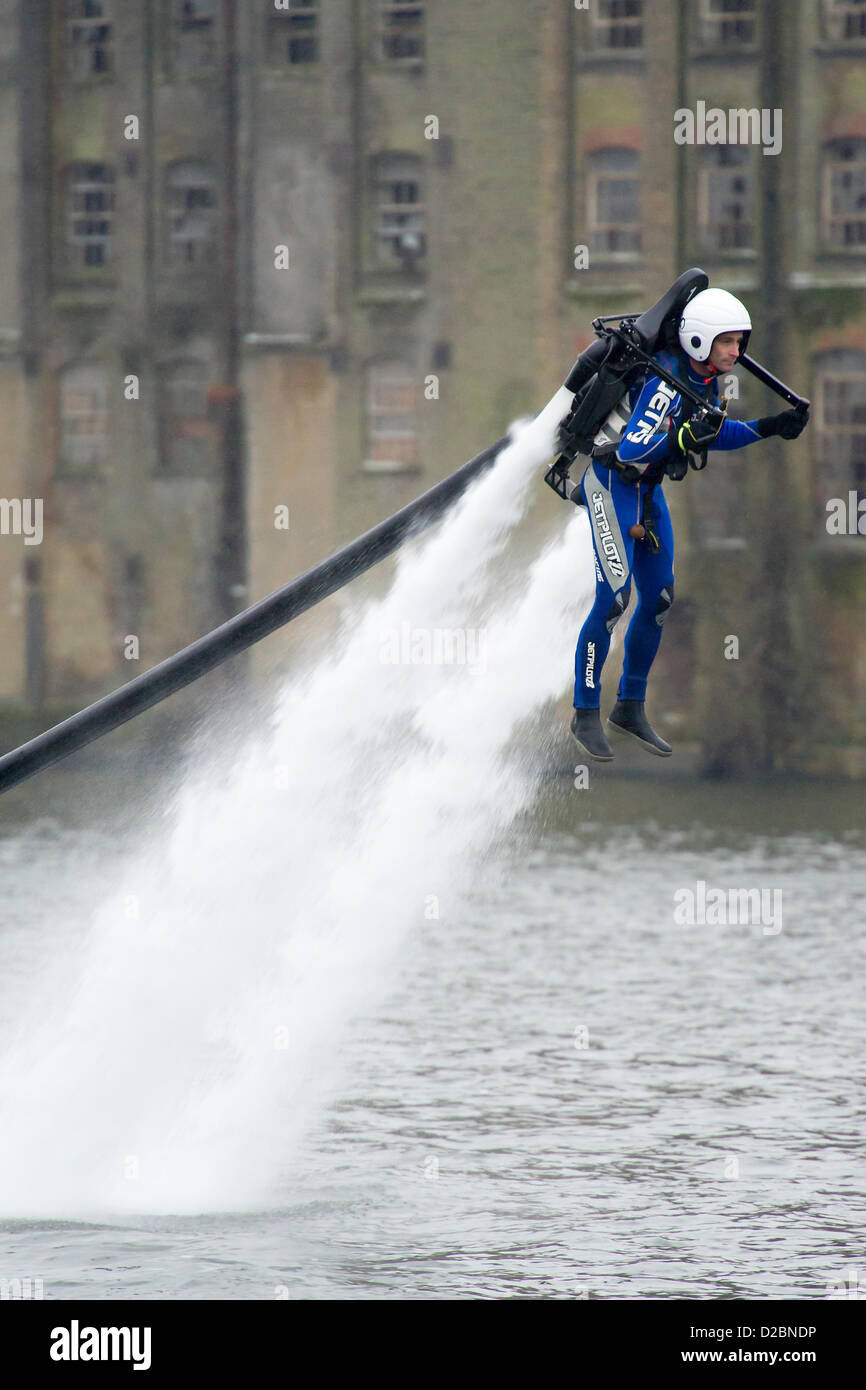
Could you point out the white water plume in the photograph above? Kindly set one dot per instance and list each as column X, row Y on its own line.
column 200, row 1037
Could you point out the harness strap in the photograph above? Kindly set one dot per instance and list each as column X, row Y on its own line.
column 647, row 519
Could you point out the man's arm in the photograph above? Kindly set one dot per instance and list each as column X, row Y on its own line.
column 645, row 437
column 734, row 434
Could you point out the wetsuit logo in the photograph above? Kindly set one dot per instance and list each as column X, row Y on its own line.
column 655, row 412
column 605, row 536
column 590, row 665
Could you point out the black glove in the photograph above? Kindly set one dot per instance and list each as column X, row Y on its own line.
column 696, row 434
column 789, row 423
column 702, row 428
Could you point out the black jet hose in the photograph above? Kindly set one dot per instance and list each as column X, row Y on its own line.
column 241, row 631
column 787, row 394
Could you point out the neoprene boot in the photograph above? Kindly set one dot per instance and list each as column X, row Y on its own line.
column 587, row 730
column 629, row 717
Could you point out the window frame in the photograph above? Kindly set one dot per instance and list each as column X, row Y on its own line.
column 169, row 377
column 75, row 48
column 594, row 174
column 827, row 219
column 386, row 211
column 175, row 262
column 833, row 9
column 70, row 239
column 605, row 23
column 400, row 376
column 281, row 20
column 66, row 464
column 708, row 170
column 178, row 26
column 384, row 8
column 712, row 22
column 826, row 371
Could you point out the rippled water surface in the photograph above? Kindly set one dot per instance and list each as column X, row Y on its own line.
column 564, row 1092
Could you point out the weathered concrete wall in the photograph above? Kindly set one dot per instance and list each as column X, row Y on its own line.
column 291, row 410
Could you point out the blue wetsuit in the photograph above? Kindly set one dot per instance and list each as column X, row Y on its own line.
column 614, row 505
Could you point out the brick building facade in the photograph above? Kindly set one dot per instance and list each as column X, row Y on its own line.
column 315, row 254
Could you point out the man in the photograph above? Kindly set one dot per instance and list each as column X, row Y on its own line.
column 644, row 439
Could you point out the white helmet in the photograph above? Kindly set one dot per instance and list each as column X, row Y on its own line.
column 706, row 316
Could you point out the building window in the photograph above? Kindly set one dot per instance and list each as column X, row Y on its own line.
column 293, row 32
column 83, row 416
column 194, row 24
column 614, row 201
column 401, row 30
column 728, row 21
column 840, row 419
column 89, row 37
column 392, row 419
column 400, row 238
column 843, row 194
column 186, row 434
column 725, row 198
column 191, row 214
column 89, row 202
column 617, row 24
column 844, row 20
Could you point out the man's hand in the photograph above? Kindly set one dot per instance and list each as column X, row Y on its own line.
column 789, row 423
column 702, row 428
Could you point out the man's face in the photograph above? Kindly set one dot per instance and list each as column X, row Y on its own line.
column 725, row 351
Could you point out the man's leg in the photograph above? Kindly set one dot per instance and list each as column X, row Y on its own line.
column 611, row 506
column 654, row 581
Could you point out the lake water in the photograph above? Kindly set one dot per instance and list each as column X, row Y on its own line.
column 703, row 1138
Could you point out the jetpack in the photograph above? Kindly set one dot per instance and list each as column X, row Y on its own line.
column 624, row 351
column 598, row 382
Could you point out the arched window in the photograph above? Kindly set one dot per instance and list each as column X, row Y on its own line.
column 191, row 213
column 186, row 434
column 727, row 21
column 844, row 20
column 613, row 197
column 88, row 195
column 83, row 416
column 89, row 37
column 400, row 237
column 392, row 418
column 616, row 24
column 725, row 198
column 194, row 26
column 840, row 423
column 843, row 193
column 293, row 32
